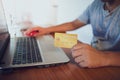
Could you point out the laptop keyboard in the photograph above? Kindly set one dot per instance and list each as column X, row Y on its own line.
column 27, row 51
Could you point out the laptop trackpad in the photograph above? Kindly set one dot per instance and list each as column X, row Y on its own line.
column 50, row 52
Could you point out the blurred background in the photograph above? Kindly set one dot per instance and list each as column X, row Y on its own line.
column 25, row 13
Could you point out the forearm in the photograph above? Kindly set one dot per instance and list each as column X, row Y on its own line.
column 112, row 58
column 61, row 28
column 65, row 27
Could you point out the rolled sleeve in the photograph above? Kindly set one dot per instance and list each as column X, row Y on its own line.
column 84, row 17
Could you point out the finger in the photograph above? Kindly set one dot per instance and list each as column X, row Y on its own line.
column 31, row 31
column 83, row 64
column 76, row 53
column 77, row 46
column 79, row 59
column 28, row 31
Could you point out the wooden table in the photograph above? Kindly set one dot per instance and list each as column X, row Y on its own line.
column 68, row 71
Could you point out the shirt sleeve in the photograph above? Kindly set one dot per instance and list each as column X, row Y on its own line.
column 85, row 17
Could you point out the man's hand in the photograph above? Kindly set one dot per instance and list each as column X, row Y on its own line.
column 35, row 31
column 86, row 56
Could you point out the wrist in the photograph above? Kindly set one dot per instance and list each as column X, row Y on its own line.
column 106, row 61
column 48, row 30
column 111, row 58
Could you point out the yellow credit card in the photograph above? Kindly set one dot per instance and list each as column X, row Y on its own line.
column 65, row 40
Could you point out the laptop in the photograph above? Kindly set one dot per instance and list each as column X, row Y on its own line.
column 19, row 51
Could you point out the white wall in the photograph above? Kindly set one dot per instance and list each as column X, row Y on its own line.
column 69, row 10
column 40, row 12
column 47, row 12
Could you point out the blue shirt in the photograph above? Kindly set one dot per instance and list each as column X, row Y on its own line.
column 105, row 26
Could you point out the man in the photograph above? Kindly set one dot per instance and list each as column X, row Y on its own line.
column 104, row 16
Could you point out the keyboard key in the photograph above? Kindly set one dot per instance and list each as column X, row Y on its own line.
column 27, row 51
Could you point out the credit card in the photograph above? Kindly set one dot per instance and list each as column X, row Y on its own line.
column 65, row 40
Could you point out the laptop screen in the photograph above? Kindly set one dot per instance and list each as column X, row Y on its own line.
column 4, row 35
column 3, row 22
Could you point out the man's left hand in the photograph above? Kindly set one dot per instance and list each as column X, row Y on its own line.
column 87, row 56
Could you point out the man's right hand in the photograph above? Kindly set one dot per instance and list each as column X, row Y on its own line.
column 35, row 31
